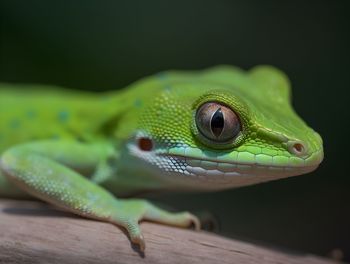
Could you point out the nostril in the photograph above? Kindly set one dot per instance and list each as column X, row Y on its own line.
column 298, row 148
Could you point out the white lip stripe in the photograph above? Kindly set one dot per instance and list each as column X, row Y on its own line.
column 212, row 164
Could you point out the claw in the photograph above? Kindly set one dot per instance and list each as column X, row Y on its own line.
column 140, row 241
column 195, row 221
column 135, row 234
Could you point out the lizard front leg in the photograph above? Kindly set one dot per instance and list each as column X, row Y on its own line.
column 50, row 170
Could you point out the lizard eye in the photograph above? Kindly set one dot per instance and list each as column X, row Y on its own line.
column 217, row 122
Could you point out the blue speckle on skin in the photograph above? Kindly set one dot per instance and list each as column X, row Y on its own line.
column 63, row 116
column 161, row 76
column 31, row 114
column 167, row 88
column 137, row 103
column 106, row 98
column 55, row 137
column 15, row 124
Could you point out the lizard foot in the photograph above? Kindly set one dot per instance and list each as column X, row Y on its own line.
column 131, row 212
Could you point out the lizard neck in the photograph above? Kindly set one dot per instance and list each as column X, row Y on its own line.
column 122, row 108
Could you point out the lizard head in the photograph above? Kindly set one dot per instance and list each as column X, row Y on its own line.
column 223, row 128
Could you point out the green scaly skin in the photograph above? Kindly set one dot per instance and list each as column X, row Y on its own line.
column 78, row 150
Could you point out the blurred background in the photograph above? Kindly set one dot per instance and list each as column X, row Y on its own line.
column 103, row 45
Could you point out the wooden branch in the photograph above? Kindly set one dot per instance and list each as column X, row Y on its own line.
column 32, row 232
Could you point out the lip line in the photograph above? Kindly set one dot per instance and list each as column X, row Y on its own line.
column 237, row 163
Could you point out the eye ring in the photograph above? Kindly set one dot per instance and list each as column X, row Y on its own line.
column 217, row 122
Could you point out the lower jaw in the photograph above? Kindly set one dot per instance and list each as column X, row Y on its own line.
column 196, row 178
column 227, row 169
column 249, row 171
column 213, row 175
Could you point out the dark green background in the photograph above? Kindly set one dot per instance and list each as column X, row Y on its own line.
column 100, row 45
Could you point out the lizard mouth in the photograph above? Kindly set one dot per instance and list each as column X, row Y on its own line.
column 209, row 166
column 191, row 168
column 225, row 171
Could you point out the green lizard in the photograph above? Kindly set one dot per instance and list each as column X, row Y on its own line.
column 203, row 130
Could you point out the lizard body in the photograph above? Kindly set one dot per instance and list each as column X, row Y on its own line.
column 203, row 130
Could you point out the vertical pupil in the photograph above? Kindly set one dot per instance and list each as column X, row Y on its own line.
column 217, row 123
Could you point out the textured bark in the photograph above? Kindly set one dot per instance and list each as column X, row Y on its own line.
column 32, row 232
